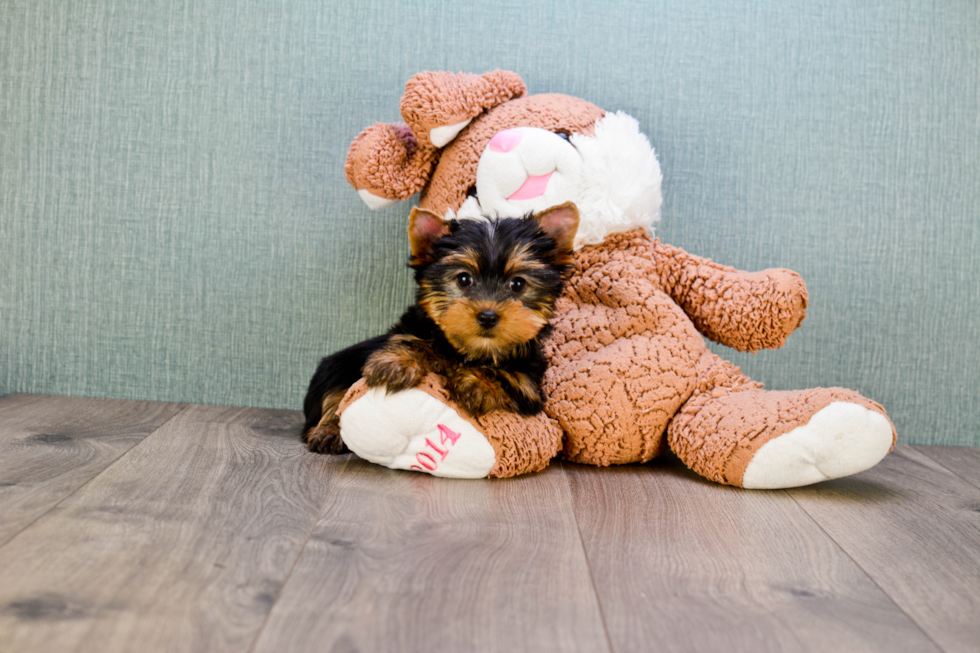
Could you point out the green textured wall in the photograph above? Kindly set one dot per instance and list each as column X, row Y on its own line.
column 175, row 224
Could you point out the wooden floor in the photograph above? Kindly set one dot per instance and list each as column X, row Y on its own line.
column 138, row 526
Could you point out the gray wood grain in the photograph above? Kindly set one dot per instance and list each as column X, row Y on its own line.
column 182, row 545
column 914, row 527
column 51, row 446
column 401, row 562
column 962, row 461
column 146, row 526
column 682, row 564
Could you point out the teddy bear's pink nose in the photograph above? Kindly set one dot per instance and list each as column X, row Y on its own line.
column 505, row 141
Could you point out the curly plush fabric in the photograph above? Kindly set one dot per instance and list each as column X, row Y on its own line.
column 387, row 161
column 716, row 433
column 440, row 99
column 395, row 161
column 629, row 371
column 745, row 311
column 522, row 444
column 628, row 364
column 624, row 356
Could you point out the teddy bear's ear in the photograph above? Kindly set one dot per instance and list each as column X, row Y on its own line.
column 385, row 164
column 438, row 105
column 391, row 162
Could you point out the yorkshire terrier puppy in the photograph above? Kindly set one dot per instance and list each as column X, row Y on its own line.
column 486, row 290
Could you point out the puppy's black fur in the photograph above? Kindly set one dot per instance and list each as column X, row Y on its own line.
column 486, row 290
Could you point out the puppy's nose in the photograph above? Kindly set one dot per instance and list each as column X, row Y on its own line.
column 487, row 318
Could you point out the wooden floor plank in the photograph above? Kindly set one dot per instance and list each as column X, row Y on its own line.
column 404, row 562
column 914, row 527
column 51, row 446
column 181, row 545
column 962, row 461
column 146, row 526
column 682, row 564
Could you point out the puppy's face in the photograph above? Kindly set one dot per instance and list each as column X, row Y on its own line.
column 491, row 285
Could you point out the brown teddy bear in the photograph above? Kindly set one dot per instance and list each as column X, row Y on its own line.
column 629, row 373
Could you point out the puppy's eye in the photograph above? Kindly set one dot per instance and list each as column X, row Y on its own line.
column 517, row 285
column 464, row 280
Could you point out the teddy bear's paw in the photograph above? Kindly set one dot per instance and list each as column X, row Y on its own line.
column 413, row 430
column 839, row 440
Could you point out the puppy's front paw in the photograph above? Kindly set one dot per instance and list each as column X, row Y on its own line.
column 325, row 437
column 393, row 369
column 478, row 392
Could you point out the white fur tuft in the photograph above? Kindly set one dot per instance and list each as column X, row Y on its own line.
column 621, row 179
column 471, row 210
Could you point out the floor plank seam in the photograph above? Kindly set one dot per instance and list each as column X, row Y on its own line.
column 89, row 481
column 866, row 573
column 585, row 555
column 925, row 453
column 185, row 407
column 299, row 555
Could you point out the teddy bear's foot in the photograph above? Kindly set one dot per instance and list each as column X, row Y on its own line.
column 839, row 440
column 414, row 430
column 760, row 439
column 422, row 430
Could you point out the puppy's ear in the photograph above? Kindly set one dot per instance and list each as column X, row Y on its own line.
column 424, row 228
column 561, row 223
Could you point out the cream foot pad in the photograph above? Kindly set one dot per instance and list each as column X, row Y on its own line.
column 839, row 440
column 413, row 430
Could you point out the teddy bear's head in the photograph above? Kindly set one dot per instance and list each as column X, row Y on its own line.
column 476, row 145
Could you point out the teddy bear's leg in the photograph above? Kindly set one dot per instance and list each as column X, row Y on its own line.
column 733, row 432
column 614, row 403
column 420, row 429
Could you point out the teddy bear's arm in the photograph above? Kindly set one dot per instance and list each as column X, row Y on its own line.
column 744, row 310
